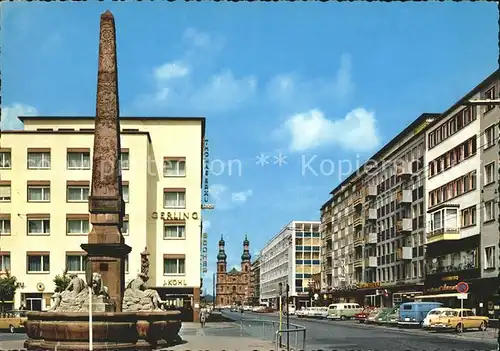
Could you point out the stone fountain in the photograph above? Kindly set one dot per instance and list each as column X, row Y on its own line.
column 123, row 317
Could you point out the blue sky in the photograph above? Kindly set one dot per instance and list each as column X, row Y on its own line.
column 324, row 83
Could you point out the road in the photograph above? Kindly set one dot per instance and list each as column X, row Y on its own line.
column 350, row 335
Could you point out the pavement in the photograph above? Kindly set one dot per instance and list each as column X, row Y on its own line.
column 351, row 335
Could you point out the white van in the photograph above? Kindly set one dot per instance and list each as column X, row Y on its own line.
column 291, row 309
column 343, row 311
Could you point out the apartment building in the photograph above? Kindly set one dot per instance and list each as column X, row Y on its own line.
column 290, row 257
column 342, row 221
column 379, row 257
column 45, row 173
column 462, row 198
column 255, row 282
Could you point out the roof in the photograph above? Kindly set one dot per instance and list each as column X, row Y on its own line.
column 411, row 127
column 48, row 131
column 131, row 118
column 234, row 271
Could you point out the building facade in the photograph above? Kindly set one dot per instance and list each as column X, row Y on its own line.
column 462, row 199
column 233, row 287
column 290, row 257
column 45, row 173
column 377, row 226
column 255, row 282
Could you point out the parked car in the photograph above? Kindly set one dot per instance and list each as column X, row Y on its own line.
column 361, row 316
column 291, row 310
column 433, row 315
column 459, row 319
column 301, row 313
column 391, row 316
column 13, row 320
column 343, row 311
column 414, row 313
column 374, row 315
column 319, row 312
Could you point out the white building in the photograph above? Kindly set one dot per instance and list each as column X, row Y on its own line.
column 291, row 257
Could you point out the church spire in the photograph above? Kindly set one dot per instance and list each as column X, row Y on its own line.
column 245, row 256
column 221, row 256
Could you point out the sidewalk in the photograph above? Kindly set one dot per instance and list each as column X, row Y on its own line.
column 196, row 343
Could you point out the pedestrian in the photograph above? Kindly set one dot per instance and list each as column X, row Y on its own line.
column 203, row 317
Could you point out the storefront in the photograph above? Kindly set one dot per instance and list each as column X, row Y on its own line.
column 184, row 299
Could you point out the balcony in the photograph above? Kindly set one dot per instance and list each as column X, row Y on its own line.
column 357, row 221
column 404, row 169
column 404, row 197
column 371, row 262
column 358, row 201
column 371, row 238
column 358, row 241
column 358, row 262
column 371, row 214
column 371, row 191
column 404, row 253
column 443, row 234
column 404, row 225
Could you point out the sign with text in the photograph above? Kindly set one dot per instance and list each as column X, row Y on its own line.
column 175, row 282
column 206, row 171
column 369, row 285
column 204, row 254
column 207, row 206
column 175, row 216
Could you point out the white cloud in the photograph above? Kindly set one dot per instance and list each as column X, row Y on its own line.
column 242, row 196
column 291, row 89
column 356, row 131
column 10, row 113
column 180, row 83
column 224, row 199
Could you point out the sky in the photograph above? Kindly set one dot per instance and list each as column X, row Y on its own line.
column 296, row 95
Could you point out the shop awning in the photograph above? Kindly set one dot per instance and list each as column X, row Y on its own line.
column 438, row 296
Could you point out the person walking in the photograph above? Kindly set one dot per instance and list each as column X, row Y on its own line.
column 203, row 317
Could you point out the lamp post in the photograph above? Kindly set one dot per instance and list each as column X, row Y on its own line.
column 287, row 318
column 280, row 293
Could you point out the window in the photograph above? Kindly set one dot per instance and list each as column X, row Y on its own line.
column 38, row 160
column 174, row 167
column 125, row 226
column 38, row 226
column 174, row 265
column 124, row 159
column 5, row 226
column 77, row 226
column 5, row 159
column 125, row 190
column 76, row 263
column 78, row 159
column 174, row 231
column 38, row 263
column 174, row 198
column 126, row 264
column 5, row 263
column 489, row 211
column 459, row 121
column 77, row 193
column 38, row 193
column 489, row 137
column 469, row 216
column 489, row 173
column 490, row 95
column 5, row 192
column 489, row 257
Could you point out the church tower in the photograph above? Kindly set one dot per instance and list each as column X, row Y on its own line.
column 245, row 256
column 221, row 256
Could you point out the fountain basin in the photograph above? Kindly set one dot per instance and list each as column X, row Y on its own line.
column 111, row 330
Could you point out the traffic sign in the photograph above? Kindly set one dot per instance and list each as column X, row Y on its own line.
column 462, row 296
column 462, row 287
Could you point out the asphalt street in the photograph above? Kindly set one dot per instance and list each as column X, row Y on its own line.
column 350, row 335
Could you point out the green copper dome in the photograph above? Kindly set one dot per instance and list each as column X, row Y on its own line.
column 221, row 241
column 246, row 242
column 246, row 256
column 221, row 256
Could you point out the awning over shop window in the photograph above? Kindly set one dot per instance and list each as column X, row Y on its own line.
column 439, row 296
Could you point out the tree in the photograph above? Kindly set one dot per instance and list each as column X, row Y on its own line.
column 61, row 281
column 8, row 287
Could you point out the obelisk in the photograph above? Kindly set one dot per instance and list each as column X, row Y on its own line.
column 106, row 247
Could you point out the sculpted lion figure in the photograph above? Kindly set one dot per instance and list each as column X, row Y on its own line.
column 98, row 288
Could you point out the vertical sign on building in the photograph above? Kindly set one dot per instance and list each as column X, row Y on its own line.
column 204, row 254
column 206, row 171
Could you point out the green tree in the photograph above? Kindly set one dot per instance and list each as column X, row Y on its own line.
column 8, row 287
column 61, row 281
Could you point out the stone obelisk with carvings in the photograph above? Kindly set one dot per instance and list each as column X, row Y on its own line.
column 106, row 246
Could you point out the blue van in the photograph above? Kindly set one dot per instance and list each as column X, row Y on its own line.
column 414, row 313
